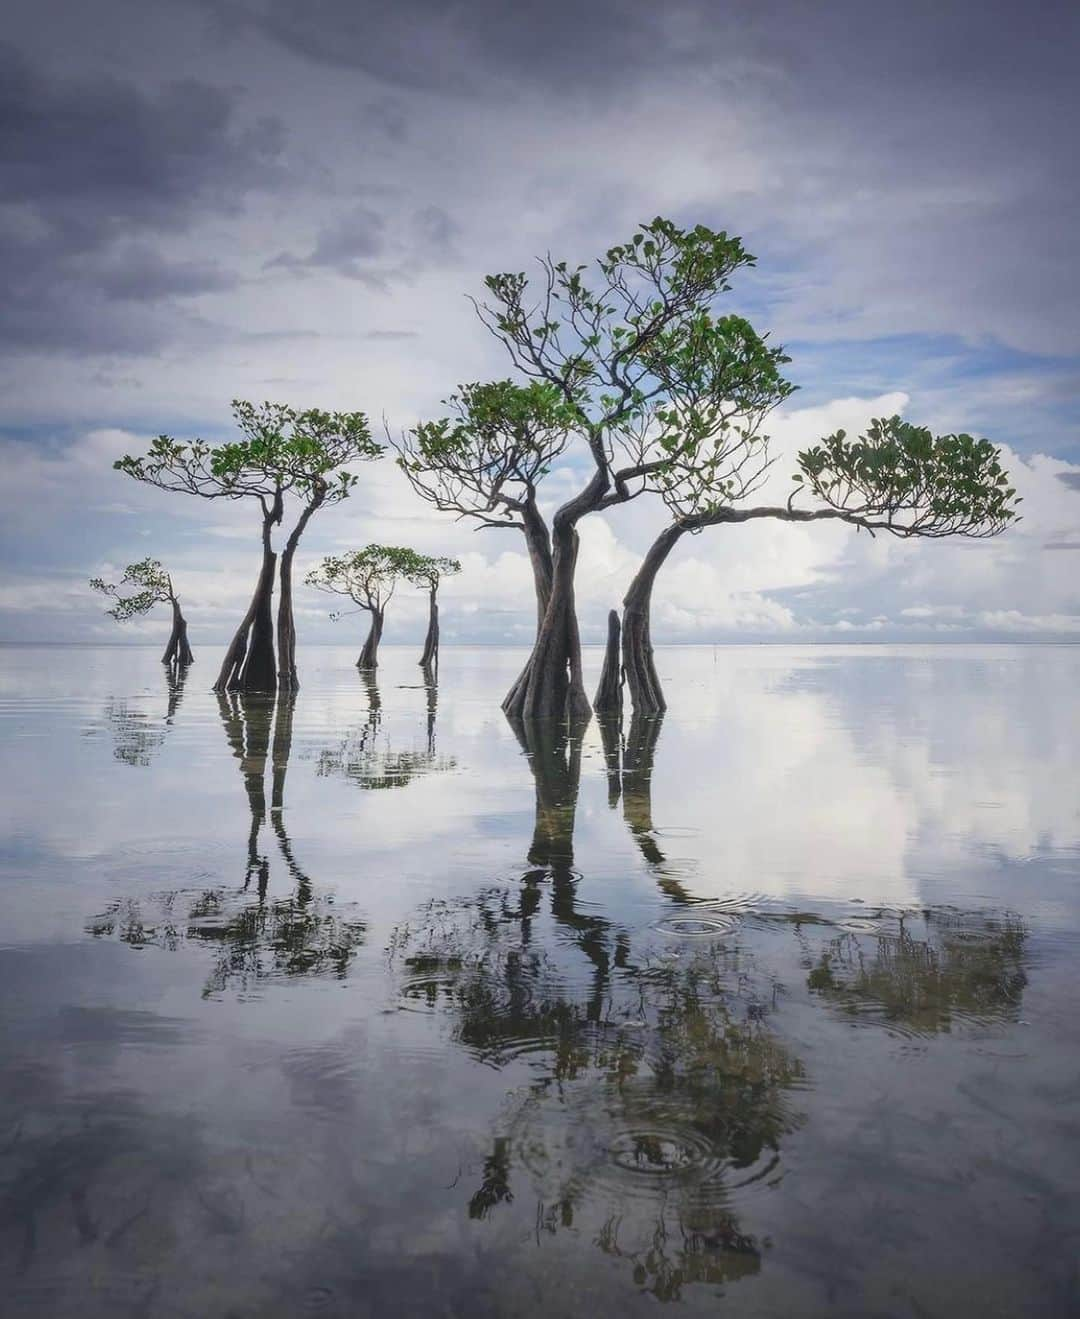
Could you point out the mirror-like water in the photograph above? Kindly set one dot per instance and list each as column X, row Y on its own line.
column 368, row 1004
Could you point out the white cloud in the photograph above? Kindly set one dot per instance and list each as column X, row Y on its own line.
column 765, row 580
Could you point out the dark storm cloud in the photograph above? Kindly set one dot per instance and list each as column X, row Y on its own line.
column 94, row 169
column 834, row 47
column 347, row 245
column 352, row 244
column 450, row 46
column 437, row 232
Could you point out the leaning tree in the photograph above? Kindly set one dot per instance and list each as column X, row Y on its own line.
column 895, row 477
column 368, row 578
column 143, row 586
column 486, row 460
column 649, row 374
column 282, row 454
column 428, row 574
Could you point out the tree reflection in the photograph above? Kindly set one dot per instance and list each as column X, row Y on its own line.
column 629, row 765
column 364, row 755
column 254, row 934
column 138, row 736
column 652, row 1090
column 933, row 970
column 656, row 1090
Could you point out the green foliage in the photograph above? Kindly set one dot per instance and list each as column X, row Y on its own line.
column 905, row 479
column 489, row 454
column 368, row 576
column 150, row 585
column 638, row 354
column 430, row 569
column 280, row 449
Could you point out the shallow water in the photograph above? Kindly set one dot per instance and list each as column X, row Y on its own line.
column 366, row 1006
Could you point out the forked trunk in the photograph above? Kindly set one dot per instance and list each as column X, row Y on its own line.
column 249, row 665
column 430, row 657
column 178, row 652
column 608, row 698
column 369, row 656
column 639, row 670
column 551, row 686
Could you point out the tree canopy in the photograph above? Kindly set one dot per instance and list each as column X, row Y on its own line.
column 430, row 569
column 143, row 586
column 281, row 449
column 368, row 576
column 486, row 459
column 641, row 360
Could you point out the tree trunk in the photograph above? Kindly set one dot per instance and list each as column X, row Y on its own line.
column 638, row 668
column 608, row 698
column 550, row 686
column 369, row 656
column 177, row 652
column 249, row 661
column 431, row 643
column 287, row 679
column 538, row 543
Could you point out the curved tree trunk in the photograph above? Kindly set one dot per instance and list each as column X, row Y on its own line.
column 608, row 698
column 369, row 656
column 287, row 679
column 431, row 642
column 641, row 676
column 550, row 686
column 538, row 543
column 249, row 661
column 178, row 652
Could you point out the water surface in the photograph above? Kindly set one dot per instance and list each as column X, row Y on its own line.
column 368, row 1004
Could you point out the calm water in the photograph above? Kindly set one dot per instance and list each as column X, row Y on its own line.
column 366, row 1007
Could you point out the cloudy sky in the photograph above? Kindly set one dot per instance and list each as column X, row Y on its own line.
column 208, row 199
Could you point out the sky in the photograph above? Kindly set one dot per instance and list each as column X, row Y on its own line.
column 213, row 199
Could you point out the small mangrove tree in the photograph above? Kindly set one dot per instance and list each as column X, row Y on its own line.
column 143, row 587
